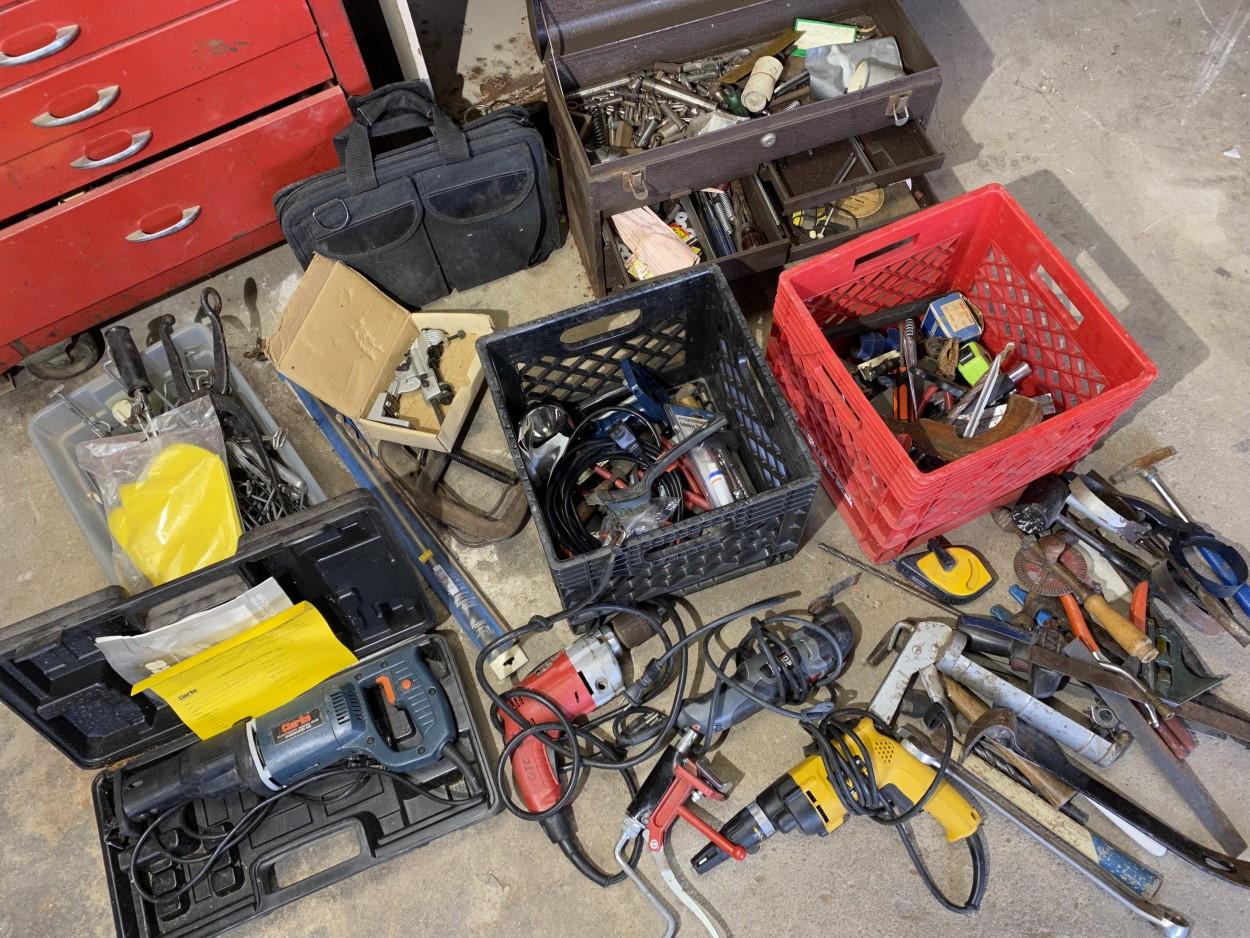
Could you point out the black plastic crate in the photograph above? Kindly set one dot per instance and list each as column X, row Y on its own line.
column 342, row 556
column 683, row 326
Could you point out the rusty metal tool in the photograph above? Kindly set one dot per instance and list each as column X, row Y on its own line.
column 934, row 647
column 974, row 710
column 1219, row 720
column 1046, row 576
column 1178, row 773
column 1039, row 748
column 1170, row 922
column 1173, row 732
column 1145, row 467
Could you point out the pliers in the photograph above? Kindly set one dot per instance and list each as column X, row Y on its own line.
column 1076, row 622
column 1173, row 731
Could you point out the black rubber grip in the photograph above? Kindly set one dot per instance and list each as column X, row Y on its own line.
column 127, row 360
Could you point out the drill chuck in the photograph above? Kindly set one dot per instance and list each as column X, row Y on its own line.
column 780, row 808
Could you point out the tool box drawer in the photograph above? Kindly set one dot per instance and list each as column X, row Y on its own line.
column 899, row 202
column 89, row 248
column 147, row 131
column 116, row 80
column 37, row 36
column 832, row 172
column 767, row 250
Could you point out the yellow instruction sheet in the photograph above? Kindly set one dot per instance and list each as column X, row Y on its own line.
column 252, row 673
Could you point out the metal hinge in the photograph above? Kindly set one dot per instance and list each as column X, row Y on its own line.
column 636, row 182
column 897, row 108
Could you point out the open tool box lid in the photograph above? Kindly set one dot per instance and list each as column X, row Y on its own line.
column 341, row 556
column 584, row 42
column 344, row 558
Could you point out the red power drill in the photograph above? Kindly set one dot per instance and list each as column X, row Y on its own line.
column 579, row 679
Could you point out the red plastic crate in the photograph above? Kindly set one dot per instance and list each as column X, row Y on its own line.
column 984, row 245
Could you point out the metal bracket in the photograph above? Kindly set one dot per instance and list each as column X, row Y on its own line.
column 636, row 183
column 898, row 107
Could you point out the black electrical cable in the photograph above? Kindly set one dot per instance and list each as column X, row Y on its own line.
column 563, row 498
column 782, row 658
column 856, row 785
column 253, row 816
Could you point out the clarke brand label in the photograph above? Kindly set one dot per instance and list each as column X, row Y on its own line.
column 296, row 726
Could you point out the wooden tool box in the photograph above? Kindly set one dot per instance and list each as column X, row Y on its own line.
column 585, row 42
column 144, row 140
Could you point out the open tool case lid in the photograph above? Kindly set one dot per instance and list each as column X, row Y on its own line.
column 344, row 558
column 341, row 556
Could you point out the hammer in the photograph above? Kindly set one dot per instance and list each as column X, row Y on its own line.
column 1145, row 467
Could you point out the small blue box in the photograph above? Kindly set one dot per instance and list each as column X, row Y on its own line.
column 953, row 317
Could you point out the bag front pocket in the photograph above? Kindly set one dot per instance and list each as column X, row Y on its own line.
column 380, row 233
column 484, row 215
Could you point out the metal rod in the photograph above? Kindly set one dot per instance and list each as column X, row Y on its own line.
column 892, row 580
column 678, row 93
column 1172, row 923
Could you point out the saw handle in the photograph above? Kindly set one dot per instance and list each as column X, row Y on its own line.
column 1126, row 635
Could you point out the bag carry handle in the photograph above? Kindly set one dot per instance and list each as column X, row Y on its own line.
column 393, row 109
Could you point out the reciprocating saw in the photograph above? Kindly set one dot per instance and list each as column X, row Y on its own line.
column 390, row 709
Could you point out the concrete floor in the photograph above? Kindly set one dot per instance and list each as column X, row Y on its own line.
column 1114, row 124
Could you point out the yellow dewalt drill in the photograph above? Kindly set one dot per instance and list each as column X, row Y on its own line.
column 806, row 799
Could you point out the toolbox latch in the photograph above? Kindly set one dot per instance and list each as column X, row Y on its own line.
column 897, row 107
column 636, row 182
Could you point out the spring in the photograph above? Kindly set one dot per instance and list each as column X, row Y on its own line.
column 722, row 208
column 598, row 127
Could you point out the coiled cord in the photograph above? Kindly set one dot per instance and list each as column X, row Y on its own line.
column 563, row 498
column 856, row 785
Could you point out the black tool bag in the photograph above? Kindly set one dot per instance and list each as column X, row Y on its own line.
column 451, row 211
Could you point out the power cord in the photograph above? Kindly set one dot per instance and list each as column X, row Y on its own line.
column 856, row 785
column 253, row 816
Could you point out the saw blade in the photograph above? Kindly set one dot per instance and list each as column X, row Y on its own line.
column 1031, row 568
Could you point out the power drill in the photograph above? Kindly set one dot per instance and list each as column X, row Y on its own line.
column 805, row 799
column 390, row 709
column 578, row 680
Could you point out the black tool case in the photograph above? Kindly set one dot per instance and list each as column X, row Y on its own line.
column 585, row 42
column 343, row 558
column 683, row 326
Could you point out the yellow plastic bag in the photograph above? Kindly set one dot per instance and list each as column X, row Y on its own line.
column 169, row 500
column 179, row 516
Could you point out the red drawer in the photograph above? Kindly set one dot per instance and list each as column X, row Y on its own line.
column 37, row 36
column 69, row 164
column 57, row 263
column 123, row 77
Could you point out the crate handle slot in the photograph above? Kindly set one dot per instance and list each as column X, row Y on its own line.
column 1046, row 283
column 614, row 325
column 756, row 388
column 848, row 412
column 880, row 252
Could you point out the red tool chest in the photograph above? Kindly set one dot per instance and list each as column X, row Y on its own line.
column 144, row 140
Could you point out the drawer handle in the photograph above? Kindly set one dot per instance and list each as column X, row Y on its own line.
column 64, row 36
column 104, row 97
column 137, row 142
column 138, row 236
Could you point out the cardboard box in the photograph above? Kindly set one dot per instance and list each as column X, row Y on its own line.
column 340, row 338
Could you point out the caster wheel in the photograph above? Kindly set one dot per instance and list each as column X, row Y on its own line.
column 67, row 359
